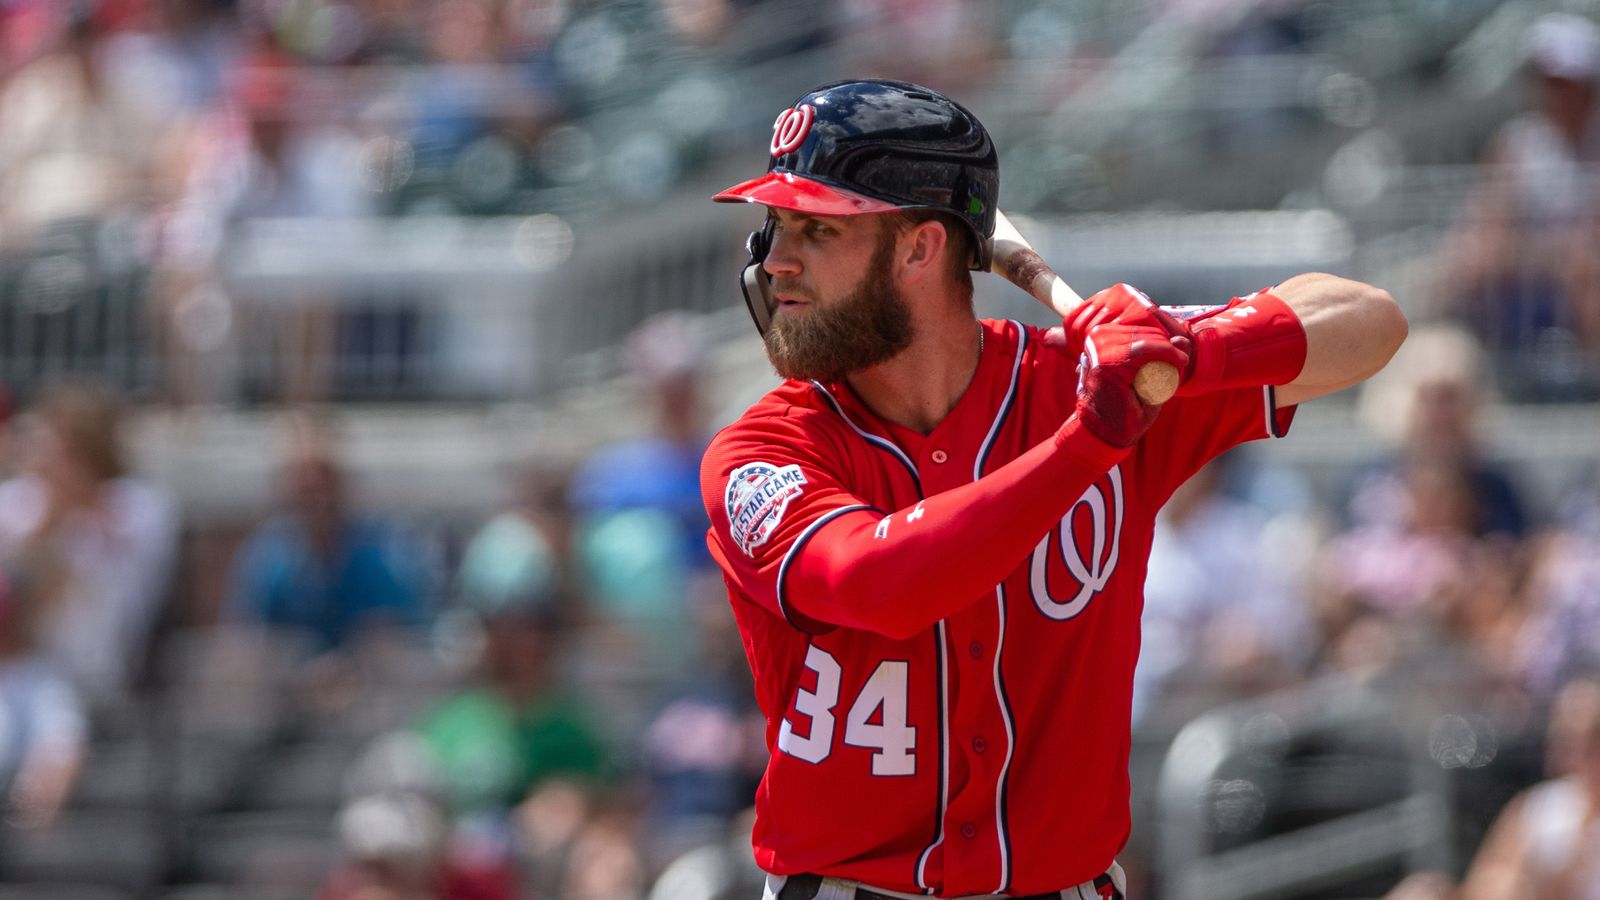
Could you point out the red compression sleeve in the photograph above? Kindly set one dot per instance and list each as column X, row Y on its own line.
column 899, row 574
column 1253, row 341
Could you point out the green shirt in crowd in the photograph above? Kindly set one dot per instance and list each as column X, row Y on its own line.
column 490, row 753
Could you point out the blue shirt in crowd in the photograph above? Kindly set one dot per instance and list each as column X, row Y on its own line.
column 278, row 581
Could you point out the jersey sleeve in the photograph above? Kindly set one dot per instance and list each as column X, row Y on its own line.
column 769, row 484
column 790, row 534
column 1192, row 431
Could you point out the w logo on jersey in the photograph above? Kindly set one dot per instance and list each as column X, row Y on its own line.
column 1077, row 558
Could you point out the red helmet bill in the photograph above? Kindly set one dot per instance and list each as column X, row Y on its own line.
column 786, row 190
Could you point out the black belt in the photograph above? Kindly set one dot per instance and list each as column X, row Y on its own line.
column 805, row 887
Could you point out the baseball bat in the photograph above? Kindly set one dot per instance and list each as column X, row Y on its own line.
column 1013, row 257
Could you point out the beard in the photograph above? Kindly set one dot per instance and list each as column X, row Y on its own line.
column 870, row 325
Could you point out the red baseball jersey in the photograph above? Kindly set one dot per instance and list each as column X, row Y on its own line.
column 945, row 664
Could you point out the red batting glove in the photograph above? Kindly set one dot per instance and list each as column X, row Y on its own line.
column 1253, row 341
column 1122, row 304
column 1113, row 354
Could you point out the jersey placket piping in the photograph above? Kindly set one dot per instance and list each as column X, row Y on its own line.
column 939, row 636
column 939, row 631
column 1002, row 835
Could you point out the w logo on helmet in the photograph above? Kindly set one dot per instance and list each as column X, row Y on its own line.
column 850, row 148
column 790, row 130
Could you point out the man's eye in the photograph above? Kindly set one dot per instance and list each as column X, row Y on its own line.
column 818, row 230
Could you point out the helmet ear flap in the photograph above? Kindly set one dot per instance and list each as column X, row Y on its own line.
column 759, row 243
column 754, row 280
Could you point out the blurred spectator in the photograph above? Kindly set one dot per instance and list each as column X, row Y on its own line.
column 941, row 43
column 75, row 144
column 1243, row 45
column 758, row 31
column 1223, row 615
column 642, row 525
column 548, row 824
column 318, row 567
column 660, row 470
column 176, row 53
column 697, row 23
column 527, row 32
column 604, row 862
column 391, row 36
column 1520, row 267
column 516, row 724
column 1427, row 404
column 42, row 727
column 80, row 141
column 521, row 554
column 114, row 536
column 704, row 750
column 1431, row 559
column 1383, row 587
column 1546, row 842
column 455, row 106
column 1562, row 639
column 285, row 151
column 398, row 847
column 271, row 151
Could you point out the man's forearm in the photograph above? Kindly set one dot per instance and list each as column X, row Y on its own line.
column 1352, row 329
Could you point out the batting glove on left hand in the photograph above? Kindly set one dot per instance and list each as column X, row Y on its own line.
column 1122, row 305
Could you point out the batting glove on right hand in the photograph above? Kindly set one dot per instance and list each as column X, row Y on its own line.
column 1113, row 354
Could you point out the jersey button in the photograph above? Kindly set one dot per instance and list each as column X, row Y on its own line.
column 940, row 456
column 979, row 744
column 975, row 649
column 969, row 831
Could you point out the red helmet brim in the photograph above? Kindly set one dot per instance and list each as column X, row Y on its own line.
column 786, row 190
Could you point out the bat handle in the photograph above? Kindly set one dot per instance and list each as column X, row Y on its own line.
column 1022, row 265
column 1156, row 382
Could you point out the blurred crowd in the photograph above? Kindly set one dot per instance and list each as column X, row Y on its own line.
column 553, row 702
column 137, row 137
column 140, row 139
column 550, row 700
column 1519, row 266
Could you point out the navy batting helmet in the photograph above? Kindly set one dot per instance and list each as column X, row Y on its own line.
column 874, row 146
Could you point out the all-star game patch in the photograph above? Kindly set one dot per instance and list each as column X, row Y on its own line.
column 756, row 498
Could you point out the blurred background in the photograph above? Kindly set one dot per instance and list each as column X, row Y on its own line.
column 356, row 357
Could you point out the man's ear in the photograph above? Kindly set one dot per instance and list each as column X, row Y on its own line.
column 921, row 250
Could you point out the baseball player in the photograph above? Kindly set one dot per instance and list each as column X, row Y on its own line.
column 934, row 533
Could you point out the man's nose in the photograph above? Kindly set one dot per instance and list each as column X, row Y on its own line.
column 781, row 258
